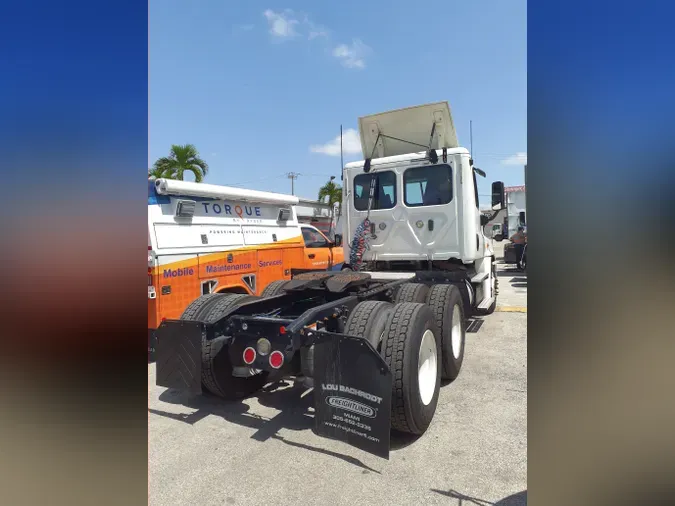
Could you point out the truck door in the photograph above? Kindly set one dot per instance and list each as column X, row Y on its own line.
column 318, row 254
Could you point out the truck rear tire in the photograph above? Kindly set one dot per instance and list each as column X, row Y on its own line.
column 446, row 303
column 216, row 367
column 411, row 292
column 412, row 350
column 274, row 288
column 198, row 306
column 368, row 319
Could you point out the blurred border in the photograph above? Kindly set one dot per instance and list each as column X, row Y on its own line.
column 73, row 120
column 600, row 229
column 73, row 129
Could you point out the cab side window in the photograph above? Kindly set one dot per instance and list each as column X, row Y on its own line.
column 427, row 186
column 313, row 239
column 384, row 196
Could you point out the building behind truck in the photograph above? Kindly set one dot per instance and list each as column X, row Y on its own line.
column 205, row 239
column 515, row 205
column 318, row 214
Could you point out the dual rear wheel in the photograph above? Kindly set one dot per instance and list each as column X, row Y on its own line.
column 421, row 338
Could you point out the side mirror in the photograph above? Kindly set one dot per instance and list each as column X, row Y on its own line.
column 338, row 240
column 521, row 218
column 498, row 200
column 484, row 220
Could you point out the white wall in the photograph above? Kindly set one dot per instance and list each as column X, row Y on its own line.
column 516, row 203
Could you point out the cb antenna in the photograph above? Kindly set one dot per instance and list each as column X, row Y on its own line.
column 342, row 164
column 471, row 141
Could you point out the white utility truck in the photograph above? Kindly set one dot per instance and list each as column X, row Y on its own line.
column 375, row 339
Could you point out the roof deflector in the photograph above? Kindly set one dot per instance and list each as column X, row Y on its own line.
column 405, row 131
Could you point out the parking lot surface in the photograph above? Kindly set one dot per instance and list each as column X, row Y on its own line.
column 203, row 451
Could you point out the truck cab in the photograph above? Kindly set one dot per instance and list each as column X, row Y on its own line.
column 409, row 209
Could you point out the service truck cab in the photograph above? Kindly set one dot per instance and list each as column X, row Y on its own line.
column 205, row 239
column 320, row 251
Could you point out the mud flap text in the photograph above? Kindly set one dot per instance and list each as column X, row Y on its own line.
column 352, row 394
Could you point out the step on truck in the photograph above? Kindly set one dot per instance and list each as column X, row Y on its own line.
column 375, row 339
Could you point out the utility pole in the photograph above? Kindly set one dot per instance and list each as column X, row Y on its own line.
column 292, row 176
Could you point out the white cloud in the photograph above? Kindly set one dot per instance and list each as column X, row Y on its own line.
column 517, row 159
column 351, row 144
column 352, row 56
column 287, row 24
column 282, row 24
column 314, row 30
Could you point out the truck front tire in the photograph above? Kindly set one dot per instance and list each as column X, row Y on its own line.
column 412, row 349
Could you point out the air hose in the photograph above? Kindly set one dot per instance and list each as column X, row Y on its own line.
column 359, row 245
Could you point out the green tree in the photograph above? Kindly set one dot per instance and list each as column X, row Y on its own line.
column 181, row 159
column 331, row 190
column 157, row 173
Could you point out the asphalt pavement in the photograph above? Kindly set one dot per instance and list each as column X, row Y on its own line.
column 203, row 451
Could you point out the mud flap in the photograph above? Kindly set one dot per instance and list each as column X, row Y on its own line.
column 352, row 393
column 178, row 355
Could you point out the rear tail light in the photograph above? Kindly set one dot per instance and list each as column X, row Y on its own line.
column 276, row 359
column 249, row 356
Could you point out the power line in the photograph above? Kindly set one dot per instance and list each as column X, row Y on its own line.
column 244, row 183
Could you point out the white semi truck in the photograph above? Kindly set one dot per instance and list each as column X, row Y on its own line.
column 375, row 339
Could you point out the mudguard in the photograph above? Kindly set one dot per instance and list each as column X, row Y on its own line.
column 178, row 355
column 352, row 393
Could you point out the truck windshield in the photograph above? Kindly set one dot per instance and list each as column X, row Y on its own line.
column 385, row 191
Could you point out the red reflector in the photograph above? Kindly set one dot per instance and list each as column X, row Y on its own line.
column 276, row 359
column 149, row 248
column 249, row 355
column 282, row 330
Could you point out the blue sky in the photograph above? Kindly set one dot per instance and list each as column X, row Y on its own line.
column 261, row 88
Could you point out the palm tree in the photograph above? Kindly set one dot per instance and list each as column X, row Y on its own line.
column 180, row 160
column 332, row 191
column 156, row 173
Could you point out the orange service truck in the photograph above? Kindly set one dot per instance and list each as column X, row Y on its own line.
column 206, row 238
